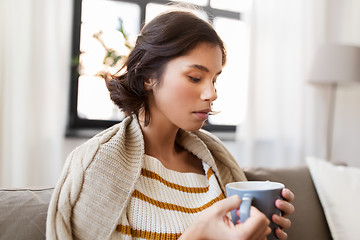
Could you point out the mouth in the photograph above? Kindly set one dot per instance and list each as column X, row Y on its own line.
column 203, row 114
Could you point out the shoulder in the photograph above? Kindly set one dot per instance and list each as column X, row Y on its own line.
column 124, row 136
column 210, row 139
column 110, row 162
column 228, row 167
column 109, row 150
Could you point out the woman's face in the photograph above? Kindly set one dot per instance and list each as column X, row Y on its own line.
column 183, row 96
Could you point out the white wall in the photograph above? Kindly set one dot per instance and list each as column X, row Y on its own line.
column 346, row 140
column 344, row 28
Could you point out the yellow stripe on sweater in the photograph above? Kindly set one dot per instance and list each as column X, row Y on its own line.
column 209, row 173
column 175, row 207
column 153, row 175
column 146, row 234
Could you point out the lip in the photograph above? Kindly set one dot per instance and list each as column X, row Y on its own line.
column 202, row 114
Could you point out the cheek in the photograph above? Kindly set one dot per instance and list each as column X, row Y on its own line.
column 185, row 94
column 185, row 91
column 179, row 91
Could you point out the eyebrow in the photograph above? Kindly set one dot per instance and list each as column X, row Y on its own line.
column 202, row 68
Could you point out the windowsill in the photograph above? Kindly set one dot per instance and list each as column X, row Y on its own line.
column 82, row 133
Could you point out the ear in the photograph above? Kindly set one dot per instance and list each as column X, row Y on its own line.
column 149, row 84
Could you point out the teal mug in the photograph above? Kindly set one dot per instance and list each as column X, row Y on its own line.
column 260, row 194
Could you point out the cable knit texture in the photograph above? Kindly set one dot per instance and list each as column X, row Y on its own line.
column 99, row 177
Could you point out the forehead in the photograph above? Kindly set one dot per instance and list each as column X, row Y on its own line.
column 204, row 56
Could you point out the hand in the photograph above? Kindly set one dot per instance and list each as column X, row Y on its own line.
column 213, row 223
column 287, row 209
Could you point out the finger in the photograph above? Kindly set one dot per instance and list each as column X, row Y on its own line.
column 262, row 236
column 287, row 194
column 226, row 205
column 267, row 232
column 281, row 234
column 257, row 225
column 286, row 207
column 260, row 233
column 281, row 221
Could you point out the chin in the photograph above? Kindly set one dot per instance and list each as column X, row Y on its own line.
column 193, row 128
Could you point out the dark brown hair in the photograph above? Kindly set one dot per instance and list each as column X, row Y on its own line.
column 169, row 35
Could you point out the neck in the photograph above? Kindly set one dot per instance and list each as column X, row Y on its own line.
column 159, row 139
column 160, row 142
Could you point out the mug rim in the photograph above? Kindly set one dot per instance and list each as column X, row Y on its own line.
column 274, row 185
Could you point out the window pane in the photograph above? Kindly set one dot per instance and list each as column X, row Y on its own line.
column 94, row 101
column 231, row 5
column 232, row 83
column 101, row 21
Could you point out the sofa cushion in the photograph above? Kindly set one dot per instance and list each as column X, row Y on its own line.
column 308, row 220
column 23, row 213
column 338, row 189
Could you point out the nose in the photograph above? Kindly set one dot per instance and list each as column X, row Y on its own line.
column 209, row 92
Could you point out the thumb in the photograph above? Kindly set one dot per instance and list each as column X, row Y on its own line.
column 226, row 205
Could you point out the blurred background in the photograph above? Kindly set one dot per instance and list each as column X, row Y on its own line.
column 273, row 113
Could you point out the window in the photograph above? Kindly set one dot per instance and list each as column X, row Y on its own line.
column 102, row 30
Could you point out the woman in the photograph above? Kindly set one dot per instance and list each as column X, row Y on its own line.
column 156, row 175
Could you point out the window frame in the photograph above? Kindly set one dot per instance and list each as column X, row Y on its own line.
column 80, row 127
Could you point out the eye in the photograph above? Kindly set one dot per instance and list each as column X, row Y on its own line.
column 194, row 79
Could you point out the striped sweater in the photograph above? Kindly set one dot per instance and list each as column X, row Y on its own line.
column 99, row 179
column 165, row 202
